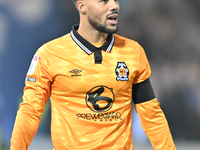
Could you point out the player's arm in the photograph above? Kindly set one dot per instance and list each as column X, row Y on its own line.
column 36, row 93
column 152, row 117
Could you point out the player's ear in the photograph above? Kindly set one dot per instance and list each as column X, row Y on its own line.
column 81, row 6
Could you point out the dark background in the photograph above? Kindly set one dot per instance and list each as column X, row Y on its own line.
column 169, row 31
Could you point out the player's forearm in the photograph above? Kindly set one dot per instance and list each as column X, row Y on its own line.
column 25, row 128
column 155, row 125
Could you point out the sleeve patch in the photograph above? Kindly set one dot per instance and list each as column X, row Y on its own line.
column 30, row 79
column 33, row 65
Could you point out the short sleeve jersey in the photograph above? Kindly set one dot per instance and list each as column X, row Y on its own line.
column 91, row 102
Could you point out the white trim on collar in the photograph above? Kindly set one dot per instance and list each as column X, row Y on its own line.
column 80, row 44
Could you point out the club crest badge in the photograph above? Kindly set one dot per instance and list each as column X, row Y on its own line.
column 122, row 71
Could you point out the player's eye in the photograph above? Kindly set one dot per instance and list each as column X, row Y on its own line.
column 104, row 1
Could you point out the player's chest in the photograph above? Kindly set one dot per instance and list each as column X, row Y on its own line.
column 79, row 73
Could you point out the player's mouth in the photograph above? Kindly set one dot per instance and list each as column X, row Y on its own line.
column 112, row 18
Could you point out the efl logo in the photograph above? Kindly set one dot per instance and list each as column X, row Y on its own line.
column 36, row 57
column 33, row 64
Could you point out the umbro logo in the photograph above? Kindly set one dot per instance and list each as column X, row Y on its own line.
column 75, row 72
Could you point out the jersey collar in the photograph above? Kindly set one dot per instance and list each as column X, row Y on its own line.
column 87, row 46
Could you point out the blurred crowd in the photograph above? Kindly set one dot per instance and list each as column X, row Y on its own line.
column 169, row 31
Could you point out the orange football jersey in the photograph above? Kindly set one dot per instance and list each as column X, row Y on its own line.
column 90, row 92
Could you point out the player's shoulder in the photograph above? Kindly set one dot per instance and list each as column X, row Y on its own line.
column 121, row 40
column 55, row 43
column 60, row 40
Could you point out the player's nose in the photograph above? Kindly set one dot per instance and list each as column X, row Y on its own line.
column 114, row 5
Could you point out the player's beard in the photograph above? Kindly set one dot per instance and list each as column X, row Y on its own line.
column 102, row 27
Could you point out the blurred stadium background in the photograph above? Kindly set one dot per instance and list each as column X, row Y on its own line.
column 169, row 31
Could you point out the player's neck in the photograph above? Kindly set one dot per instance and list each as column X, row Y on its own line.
column 91, row 34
